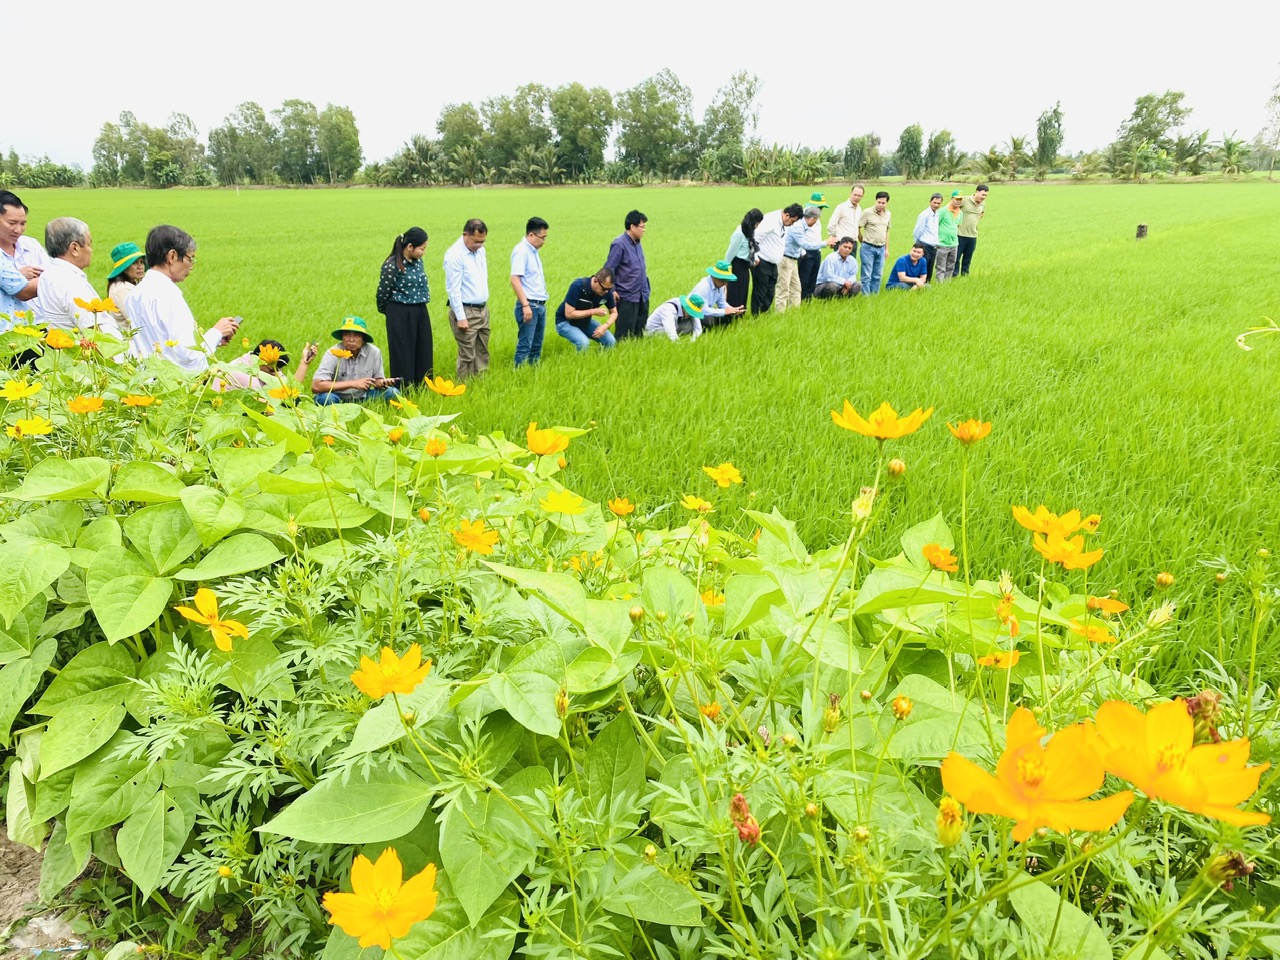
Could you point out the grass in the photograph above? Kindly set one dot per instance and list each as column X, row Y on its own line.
column 1108, row 366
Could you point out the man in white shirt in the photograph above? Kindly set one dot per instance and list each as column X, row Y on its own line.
column 159, row 311
column 771, row 239
column 466, row 281
column 63, row 281
column 21, row 258
column 847, row 216
column 926, row 231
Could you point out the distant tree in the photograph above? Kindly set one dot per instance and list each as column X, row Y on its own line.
column 1016, row 158
column 990, row 165
column 1154, row 117
column 1270, row 136
column 1048, row 140
column 935, row 154
column 1086, row 165
column 420, row 162
column 1189, row 152
column 952, row 163
column 514, row 122
column 338, row 142
column 855, row 156
column 299, row 125
column 459, row 125
column 910, row 152
column 245, row 147
column 1231, row 155
column 583, row 121
column 466, row 167
column 656, row 126
column 730, row 119
column 108, row 156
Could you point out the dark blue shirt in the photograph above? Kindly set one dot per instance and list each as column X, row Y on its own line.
column 904, row 265
column 630, row 277
column 582, row 297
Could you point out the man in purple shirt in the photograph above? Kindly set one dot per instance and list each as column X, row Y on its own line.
column 630, row 278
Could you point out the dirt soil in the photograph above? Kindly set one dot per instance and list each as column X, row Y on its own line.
column 19, row 887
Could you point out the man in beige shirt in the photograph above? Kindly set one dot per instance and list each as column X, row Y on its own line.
column 873, row 231
column 847, row 215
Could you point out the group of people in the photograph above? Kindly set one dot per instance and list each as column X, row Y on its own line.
column 774, row 261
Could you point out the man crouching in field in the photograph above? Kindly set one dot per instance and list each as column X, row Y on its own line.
column 352, row 372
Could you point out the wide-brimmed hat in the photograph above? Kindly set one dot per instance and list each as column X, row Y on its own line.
column 693, row 305
column 817, row 200
column 353, row 325
column 122, row 257
column 722, row 271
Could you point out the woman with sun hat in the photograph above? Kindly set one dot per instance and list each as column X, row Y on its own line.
column 128, row 266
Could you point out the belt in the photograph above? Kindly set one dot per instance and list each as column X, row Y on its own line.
column 541, row 303
column 785, row 257
column 479, row 306
column 878, row 246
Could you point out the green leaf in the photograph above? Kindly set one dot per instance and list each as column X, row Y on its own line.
column 527, row 688
column 238, row 554
column 22, row 827
column 897, row 584
column 779, row 542
column 748, row 599
column 26, row 569
column 448, row 934
column 276, row 431
column 933, row 530
column 153, row 836
column 145, row 482
column 1044, row 913
column 18, row 681
column 163, row 535
column 61, row 864
column 238, row 468
column 58, row 523
column 607, row 624
column 321, row 512
column 56, row 479
column 127, row 597
column 343, row 946
column 939, row 723
column 253, row 667
column 213, row 513
column 354, row 812
column 382, row 726
column 19, row 637
column 99, row 533
column 77, row 732
column 105, row 792
column 615, row 764
column 665, row 588
column 101, row 673
column 596, row 669
column 647, row 895
column 562, row 592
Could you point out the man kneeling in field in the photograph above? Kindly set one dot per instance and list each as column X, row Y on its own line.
column 352, row 372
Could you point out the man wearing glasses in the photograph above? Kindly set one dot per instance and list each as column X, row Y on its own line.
column 163, row 323
column 589, row 309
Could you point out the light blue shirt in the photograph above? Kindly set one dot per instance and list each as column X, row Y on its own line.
column 466, row 277
column 712, row 296
column 837, row 270
column 798, row 241
column 11, row 283
column 527, row 265
column 927, row 227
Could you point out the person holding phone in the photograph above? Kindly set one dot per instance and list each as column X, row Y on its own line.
column 353, row 371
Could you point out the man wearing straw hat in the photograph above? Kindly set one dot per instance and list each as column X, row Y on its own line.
column 678, row 315
column 716, row 311
column 353, row 371
column 812, row 259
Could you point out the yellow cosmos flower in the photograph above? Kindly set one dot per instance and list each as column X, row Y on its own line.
column 206, row 612
column 380, row 907
column 545, row 443
column 269, row 354
column 622, row 507
column 446, row 388
column 83, row 404
column 1001, row 659
column 1156, row 752
column 405, row 404
column 136, row 400
column 474, row 537
column 1092, row 633
column 970, row 431
column 436, row 448
column 941, row 558
column 562, row 501
column 60, row 339
column 712, row 599
column 284, row 392
column 1049, row 523
column 724, row 474
column 328, row 440
column 338, row 352
column 391, row 674
column 884, row 424
column 96, row 305
column 19, row 390
column 33, row 427
column 25, row 331
column 690, row 502
column 1068, row 552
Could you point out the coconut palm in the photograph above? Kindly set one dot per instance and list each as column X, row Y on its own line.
column 1017, row 156
column 1231, row 155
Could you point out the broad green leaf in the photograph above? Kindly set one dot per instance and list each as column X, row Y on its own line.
column 343, row 946
column 276, row 431
column 1045, row 913
column 101, row 673
column 18, row 680
column 99, row 533
column 163, row 535
column 237, row 554
column 19, row 637
column 448, row 934
column 213, row 513
column 827, row 641
column 252, row 667
column 56, row 479
column 596, row 669
column 58, row 523
column 354, row 812
column 322, row 511
column 747, row 599
column 939, row 723
column 778, row 541
column 238, row 468
column 527, row 688
column 106, row 791
column 562, row 592
column 607, row 624
column 153, row 836
column 127, row 597
column 615, row 763
column 145, row 482
column 647, row 895
column 22, row 827
column 61, row 864
column 383, row 726
column 805, row 590
column 26, row 568
column 664, row 588
column 896, row 584
column 933, row 530
column 77, row 732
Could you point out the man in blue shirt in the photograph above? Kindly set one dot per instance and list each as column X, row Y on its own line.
column 926, row 230
column 796, row 244
column 466, row 281
column 589, row 309
column 626, row 260
column 911, row 270
column 711, row 289
column 530, row 286
column 838, row 274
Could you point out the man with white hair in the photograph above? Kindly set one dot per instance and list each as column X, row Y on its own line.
column 63, row 282
column 796, row 245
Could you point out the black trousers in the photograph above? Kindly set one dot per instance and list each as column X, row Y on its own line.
column 409, row 340
column 737, row 291
column 964, row 255
column 930, row 254
column 764, row 282
column 632, row 318
column 808, row 265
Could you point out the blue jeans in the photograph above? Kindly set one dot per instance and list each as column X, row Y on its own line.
column 373, row 393
column 582, row 340
column 872, row 259
column 529, row 335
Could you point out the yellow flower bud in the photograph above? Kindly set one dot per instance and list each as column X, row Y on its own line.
column 1164, row 580
column 902, row 707
column 637, row 614
column 897, row 467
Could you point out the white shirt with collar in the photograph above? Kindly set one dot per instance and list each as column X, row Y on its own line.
column 27, row 252
column 60, row 284
column 771, row 237
column 844, row 220
column 927, row 226
column 466, row 277
column 159, row 314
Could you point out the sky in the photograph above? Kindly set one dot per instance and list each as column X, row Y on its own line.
column 983, row 71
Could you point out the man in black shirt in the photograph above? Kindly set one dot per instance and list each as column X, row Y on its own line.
column 589, row 309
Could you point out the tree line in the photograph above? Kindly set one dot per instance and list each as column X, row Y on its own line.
column 579, row 134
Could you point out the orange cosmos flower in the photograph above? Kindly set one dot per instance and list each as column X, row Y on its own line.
column 690, row 502
column 269, row 354
column 424, row 515
column 724, row 474
column 1070, row 553
column 32, row 427
column 474, row 537
column 83, row 404
column 60, row 339
column 1164, row 580
column 446, row 388
column 338, row 352
column 884, row 424
column 950, row 821
column 328, row 440
column 1106, row 605
column 284, row 392
column 206, row 612
column 1049, row 523
column 1001, row 659
column 1038, row 786
column 902, row 707
column 712, row 599
column 391, row 674
column 1092, row 633
column 135, row 400
column 710, row 710
column 970, row 431
column 622, row 507
column 545, row 442
column 380, row 907
column 96, row 305
column 395, row 435
column 941, row 558
column 1156, row 752
column 436, row 448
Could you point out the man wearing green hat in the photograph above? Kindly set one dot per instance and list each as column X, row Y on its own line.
column 812, row 259
column 716, row 311
column 353, row 371
column 128, row 267
column 944, row 260
column 678, row 315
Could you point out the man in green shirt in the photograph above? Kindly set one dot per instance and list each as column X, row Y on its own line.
column 944, row 260
column 973, row 209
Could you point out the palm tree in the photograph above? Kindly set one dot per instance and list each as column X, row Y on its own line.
column 464, row 166
column 1231, row 154
column 989, row 165
column 953, row 162
column 1017, row 156
column 1087, row 166
column 549, row 164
